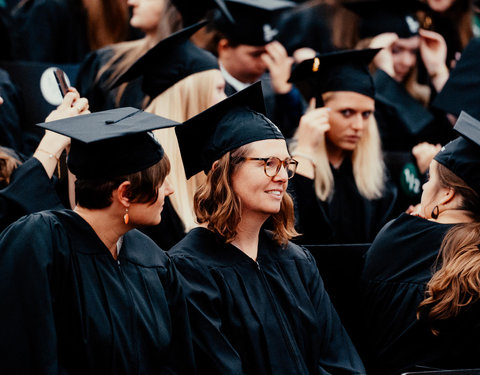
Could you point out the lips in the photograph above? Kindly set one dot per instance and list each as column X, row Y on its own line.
column 276, row 193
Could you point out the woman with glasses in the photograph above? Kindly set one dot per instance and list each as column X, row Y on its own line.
column 256, row 301
column 341, row 192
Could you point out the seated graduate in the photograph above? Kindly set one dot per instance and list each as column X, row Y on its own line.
column 181, row 81
column 29, row 186
column 86, row 292
column 341, row 191
column 256, row 301
column 420, row 285
column 410, row 129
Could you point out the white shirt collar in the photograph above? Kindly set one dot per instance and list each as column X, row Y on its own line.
column 232, row 81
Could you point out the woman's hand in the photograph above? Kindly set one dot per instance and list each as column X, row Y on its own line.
column 311, row 129
column 424, row 153
column 383, row 59
column 72, row 105
column 433, row 50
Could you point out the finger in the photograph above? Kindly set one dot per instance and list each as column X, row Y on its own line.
column 267, row 59
column 68, row 100
column 312, row 104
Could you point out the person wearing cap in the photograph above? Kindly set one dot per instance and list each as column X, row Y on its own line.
column 156, row 19
column 84, row 292
column 419, row 285
column 341, row 190
column 182, row 80
column 410, row 129
column 256, row 301
column 248, row 51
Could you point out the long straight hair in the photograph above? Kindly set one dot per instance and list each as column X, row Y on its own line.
column 180, row 102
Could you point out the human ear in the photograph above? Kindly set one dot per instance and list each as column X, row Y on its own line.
column 122, row 193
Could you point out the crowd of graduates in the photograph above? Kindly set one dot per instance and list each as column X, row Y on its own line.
column 171, row 211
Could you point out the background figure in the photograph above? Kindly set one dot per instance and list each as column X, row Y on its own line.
column 156, row 19
column 182, row 80
column 256, row 300
column 29, row 186
column 341, row 191
column 94, row 288
column 64, row 31
column 248, row 51
column 403, row 112
column 421, row 308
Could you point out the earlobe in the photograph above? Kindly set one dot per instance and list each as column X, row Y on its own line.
column 122, row 193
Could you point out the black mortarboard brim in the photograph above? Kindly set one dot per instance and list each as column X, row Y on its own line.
column 462, row 155
column 111, row 143
column 387, row 16
column 338, row 71
column 462, row 89
column 171, row 60
column 236, row 121
column 194, row 11
column 254, row 20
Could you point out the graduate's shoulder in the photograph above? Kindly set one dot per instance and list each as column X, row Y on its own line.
column 143, row 251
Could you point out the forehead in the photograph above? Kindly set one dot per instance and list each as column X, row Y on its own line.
column 407, row 43
column 349, row 99
column 247, row 49
column 268, row 147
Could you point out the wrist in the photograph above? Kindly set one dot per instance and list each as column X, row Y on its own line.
column 442, row 70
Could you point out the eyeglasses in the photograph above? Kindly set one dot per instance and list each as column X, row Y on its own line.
column 273, row 164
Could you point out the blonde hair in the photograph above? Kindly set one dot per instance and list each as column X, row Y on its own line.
column 367, row 163
column 180, row 102
column 217, row 205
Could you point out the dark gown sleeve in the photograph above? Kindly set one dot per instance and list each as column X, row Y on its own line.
column 28, row 278
column 337, row 352
column 30, row 190
column 213, row 350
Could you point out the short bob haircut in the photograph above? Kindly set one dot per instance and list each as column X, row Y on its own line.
column 216, row 203
column 97, row 194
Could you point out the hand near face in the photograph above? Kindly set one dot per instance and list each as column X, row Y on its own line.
column 433, row 50
column 384, row 58
column 424, row 153
column 311, row 129
column 279, row 64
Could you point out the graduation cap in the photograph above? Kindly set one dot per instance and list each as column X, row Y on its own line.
column 236, row 121
column 384, row 16
column 338, row 71
column 171, row 60
column 462, row 89
column 462, row 155
column 254, row 20
column 111, row 143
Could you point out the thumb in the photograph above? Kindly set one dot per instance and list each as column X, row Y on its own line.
column 312, row 104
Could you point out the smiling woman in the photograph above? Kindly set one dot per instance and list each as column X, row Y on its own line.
column 256, row 301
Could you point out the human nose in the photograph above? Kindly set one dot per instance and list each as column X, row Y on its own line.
column 282, row 174
column 358, row 122
column 169, row 190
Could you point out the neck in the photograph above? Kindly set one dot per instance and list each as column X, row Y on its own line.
column 108, row 227
column 151, row 39
column 335, row 154
column 452, row 216
column 248, row 233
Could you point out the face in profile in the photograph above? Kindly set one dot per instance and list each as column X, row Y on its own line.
column 349, row 118
column 146, row 14
column 243, row 62
column 430, row 191
column 404, row 54
column 148, row 214
column 260, row 195
column 218, row 93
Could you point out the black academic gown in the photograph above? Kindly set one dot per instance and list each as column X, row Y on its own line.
column 270, row 316
column 346, row 218
column 30, row 190
column 70, row 308
column 397, row 268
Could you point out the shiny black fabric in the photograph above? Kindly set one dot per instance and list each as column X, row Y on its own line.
column 269, row 316
column 347, row 217
column 397, row 268
column 70, row 308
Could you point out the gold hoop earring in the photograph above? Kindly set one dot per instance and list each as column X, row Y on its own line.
column 126, row 218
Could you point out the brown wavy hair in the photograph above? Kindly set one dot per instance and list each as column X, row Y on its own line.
column 216, row 203
column 456, row 280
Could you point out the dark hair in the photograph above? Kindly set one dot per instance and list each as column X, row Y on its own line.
column 216, row 203
column 456, row 281
column 96, row 194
